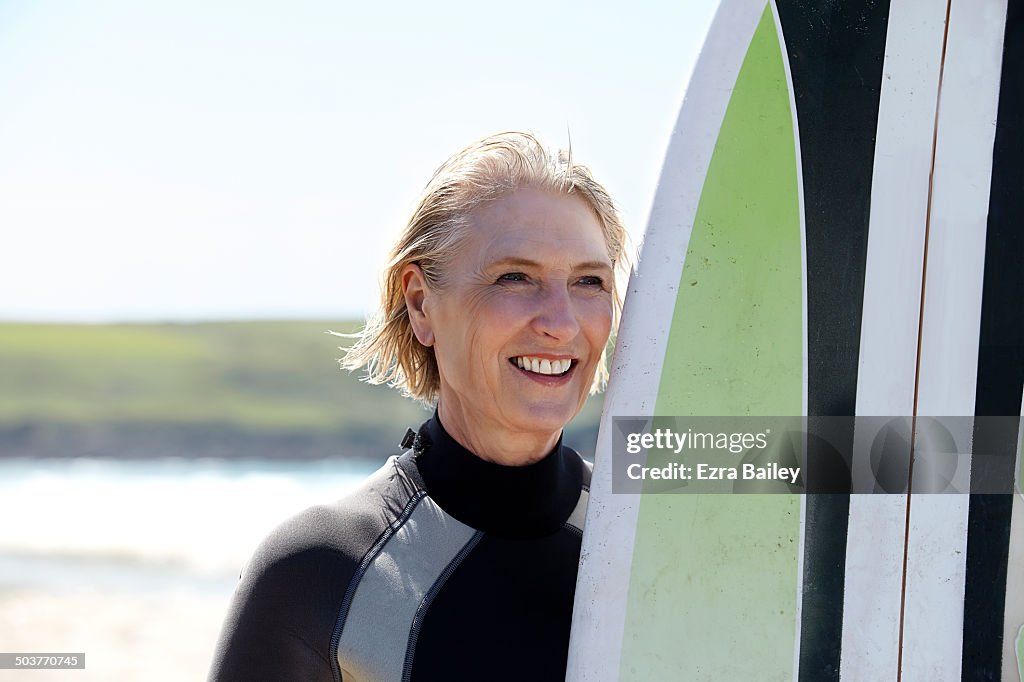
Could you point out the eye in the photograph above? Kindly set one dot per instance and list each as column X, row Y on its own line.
column 591, row 281
column 512, row 277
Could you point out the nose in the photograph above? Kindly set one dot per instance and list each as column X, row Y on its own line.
column 556, row 315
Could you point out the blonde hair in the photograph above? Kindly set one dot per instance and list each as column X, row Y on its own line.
column 484, row 171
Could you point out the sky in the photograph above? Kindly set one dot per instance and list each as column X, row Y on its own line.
column 209, row 159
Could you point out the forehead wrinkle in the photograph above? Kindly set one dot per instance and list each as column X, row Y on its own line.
column 519, row 249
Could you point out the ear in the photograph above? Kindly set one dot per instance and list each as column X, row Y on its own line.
column 414, row 286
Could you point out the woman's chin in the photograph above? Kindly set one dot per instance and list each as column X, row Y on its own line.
column 543, row 418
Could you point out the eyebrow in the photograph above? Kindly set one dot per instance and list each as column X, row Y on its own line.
column 515, row 260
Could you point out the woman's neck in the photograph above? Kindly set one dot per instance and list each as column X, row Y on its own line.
column 493, row 442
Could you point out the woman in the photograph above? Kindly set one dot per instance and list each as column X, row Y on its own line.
column 457, row 560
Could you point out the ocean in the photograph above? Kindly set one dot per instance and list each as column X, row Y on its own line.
column 139, row 558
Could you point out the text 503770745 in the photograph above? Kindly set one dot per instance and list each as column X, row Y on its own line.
column 50, row 661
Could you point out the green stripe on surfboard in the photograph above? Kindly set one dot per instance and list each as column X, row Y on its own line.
column 713, row 588
column 1020, row 653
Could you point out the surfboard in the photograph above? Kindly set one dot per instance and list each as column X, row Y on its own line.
column 838, row 231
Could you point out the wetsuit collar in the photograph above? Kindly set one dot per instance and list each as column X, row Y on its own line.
column 514, row 501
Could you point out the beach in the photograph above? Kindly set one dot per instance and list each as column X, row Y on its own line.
column 158, row 637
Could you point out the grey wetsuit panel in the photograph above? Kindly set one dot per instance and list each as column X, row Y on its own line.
column 376, row 631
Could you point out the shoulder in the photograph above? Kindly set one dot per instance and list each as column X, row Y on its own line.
column 287, row 605
column 348, row 527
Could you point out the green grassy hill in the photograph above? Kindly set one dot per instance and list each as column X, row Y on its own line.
column 258, row 389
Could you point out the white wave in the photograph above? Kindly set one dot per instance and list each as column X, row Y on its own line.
column 205, row 516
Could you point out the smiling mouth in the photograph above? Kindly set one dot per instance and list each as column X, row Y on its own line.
column 543, row 366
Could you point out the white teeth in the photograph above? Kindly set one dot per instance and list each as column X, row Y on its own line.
column 543, row 365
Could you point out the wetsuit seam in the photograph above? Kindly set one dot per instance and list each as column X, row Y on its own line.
column 364, row 565
column 428, row 599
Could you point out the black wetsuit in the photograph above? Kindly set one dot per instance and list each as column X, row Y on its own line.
column 441, row 566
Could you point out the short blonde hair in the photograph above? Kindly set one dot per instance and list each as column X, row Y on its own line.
column 484, row 171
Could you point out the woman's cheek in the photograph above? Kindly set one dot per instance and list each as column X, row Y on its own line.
column 513, row 307
column 598, row 315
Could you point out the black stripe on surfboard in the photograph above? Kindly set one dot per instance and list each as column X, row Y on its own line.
column 836, row 51
column 1000, row 372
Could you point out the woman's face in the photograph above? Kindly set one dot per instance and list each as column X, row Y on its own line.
column 520, row 324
